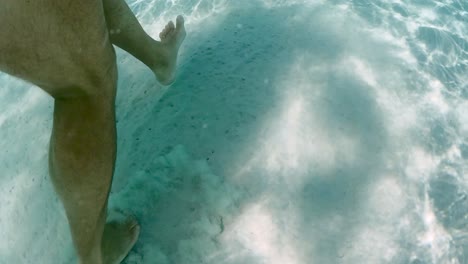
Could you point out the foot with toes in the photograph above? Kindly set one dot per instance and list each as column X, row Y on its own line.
column 118, row 239
column 171, row 39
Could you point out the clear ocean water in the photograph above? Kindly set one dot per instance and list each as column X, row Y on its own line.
column 297, row 132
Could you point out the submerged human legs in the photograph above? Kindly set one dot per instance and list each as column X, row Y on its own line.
column 82, row 156
column 126, row 32
column 69, row 54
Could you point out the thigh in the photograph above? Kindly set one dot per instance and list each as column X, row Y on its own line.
column 55, row 44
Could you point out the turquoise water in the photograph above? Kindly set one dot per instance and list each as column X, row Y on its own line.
column 296, row 132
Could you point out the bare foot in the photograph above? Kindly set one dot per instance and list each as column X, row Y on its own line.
column 171, row 38
column 118, row 239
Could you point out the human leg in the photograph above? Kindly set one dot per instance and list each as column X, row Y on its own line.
column 82, row 156
column 69, row 56
column 82, row 151
column 126, row 32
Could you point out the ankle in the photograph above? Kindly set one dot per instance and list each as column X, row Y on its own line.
column 155, row 55
column 90, row 261
column 94, row 257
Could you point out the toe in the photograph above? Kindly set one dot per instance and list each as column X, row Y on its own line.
column 132, row 222
column 167, row 30
column 164, row 33
column 171, row 25
column 133, row 229
column 135, row 233
column 180, row 21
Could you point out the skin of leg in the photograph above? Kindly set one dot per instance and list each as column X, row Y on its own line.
column 127, row 33
column 69, row 55
column 65, row 48
column 81, row 159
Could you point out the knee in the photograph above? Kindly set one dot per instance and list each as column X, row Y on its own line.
column 88, row 78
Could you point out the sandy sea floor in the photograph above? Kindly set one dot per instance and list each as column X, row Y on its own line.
column 297, row 132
